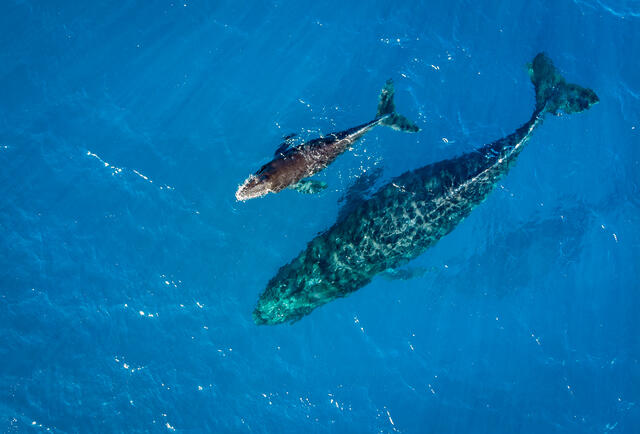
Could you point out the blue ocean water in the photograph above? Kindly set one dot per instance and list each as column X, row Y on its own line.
column 128, row 271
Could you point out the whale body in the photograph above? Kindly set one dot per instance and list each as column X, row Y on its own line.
column 292, row 165
column 409, row 214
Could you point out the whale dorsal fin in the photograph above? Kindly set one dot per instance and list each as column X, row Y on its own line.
column 288, row 141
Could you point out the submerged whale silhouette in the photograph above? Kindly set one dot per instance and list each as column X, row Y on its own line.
column 409, row 214
column 292, row 164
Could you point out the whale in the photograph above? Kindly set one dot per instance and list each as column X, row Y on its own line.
column 292, row 165
column 406, row 216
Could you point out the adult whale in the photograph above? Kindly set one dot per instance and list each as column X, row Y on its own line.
column 408, row 215
column 292, row 164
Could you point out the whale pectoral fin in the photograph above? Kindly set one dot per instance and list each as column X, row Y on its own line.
column 309, row 186
column 404, row 273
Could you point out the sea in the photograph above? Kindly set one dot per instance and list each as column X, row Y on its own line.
column 129, row 271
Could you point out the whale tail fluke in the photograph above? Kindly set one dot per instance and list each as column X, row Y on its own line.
column 387, row 110
column 553, row 93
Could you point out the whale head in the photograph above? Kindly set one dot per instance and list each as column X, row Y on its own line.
column 284, row 300
column 264, row 181
column 255, row 186
column 271, row 178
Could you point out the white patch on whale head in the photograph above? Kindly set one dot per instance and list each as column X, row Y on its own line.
column 252, row 187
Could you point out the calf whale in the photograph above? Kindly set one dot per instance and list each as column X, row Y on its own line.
column 292, row 164
column 410, row 214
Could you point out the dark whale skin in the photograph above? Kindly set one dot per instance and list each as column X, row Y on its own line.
column 409, row 214
column 300, row 162
column 291, row 166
